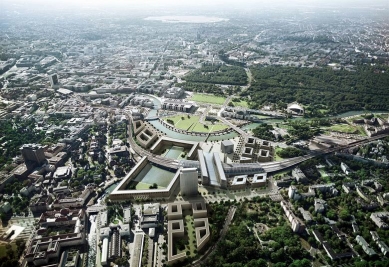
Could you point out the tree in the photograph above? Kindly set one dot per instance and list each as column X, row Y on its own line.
column 344, row 214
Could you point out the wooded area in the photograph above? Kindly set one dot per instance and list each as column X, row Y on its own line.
column 218, row 74
column 339, row 90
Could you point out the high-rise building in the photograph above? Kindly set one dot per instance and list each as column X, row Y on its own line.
column 33, row 154
column 188, row 181
column 53, row 80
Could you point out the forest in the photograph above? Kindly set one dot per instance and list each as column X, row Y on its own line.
column 218, row 74
column 14, row 134
column 201, row 88
column 339, row 90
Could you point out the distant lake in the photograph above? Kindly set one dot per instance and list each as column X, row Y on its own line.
column 187, row 19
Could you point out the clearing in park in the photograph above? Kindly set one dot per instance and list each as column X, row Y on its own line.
column 211, row 99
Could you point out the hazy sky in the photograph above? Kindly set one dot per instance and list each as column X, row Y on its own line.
column 180, row 7
column 220, row 3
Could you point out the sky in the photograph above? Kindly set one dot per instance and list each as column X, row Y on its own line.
column 181, row 7
column 203, row 3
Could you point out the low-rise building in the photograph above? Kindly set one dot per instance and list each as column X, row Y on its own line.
column 380, row 218
column 298, row 174
column 345, row 168
column 297, row 225
column 61, row 173
column 174, row 92
column 178, row 106
column 365, row 246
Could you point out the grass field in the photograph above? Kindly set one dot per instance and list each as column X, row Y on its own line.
column 242, row 103
column 277, row 158
column 262, row 116
column 191, row 235
column 361, row 131
column 343, row 128
column 324, row 176
column 3, row 250
column 208, row 99
column 142, row 186
column 192, row 124
column 183, row 122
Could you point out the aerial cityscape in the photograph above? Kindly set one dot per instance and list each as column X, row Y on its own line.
column 194, row 133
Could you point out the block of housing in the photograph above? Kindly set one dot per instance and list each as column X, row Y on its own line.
column 258, row 180
column 327, row 247
column 147, row 137
column 256, row 150
column 242, row 181
column 151, row 216
column 381, row 244
column 174, row 92
column 44, row 248
column 138, row 126
column 178, row 105
column 298, row 174
column 142, row 101
column 175, row 145
column 238, row 182
column 176, row 227
column 380, row 219
column 366, row 247
column 127, row 188
column 297, row 225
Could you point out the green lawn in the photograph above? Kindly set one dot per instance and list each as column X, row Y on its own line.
column 141, row 186
column 200, row 128
column 208, row 99
column 324, row 176
column 343, row 128
column 3, row 250
column 277, row 158
column 211, row 128
column 262, row 116
column 218, row 127
column 183, row 122
column 241, row 103
column 192, row 124
column 361, row 131
column 191, row 235
column 278, row 175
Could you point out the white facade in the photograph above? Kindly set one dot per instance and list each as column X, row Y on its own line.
column 188, row 181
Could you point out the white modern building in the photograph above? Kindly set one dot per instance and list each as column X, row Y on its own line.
column 188, row 181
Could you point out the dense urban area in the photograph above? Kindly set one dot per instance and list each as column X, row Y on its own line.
column 207, row 139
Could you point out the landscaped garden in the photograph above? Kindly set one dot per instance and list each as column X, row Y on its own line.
column 192, row 124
